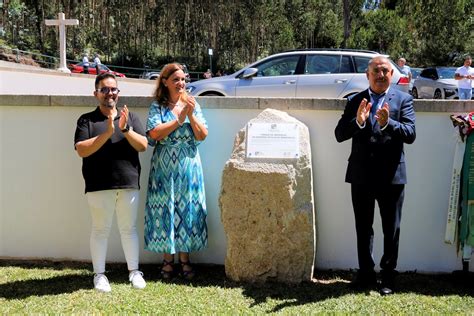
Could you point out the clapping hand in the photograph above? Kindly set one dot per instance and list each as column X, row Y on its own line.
column 182, row 114
column 190, row 104
column 363, row 112
column 382, row 114
column 123, row 121
column 110, row 125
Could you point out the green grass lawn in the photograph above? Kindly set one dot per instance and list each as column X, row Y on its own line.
column 66, row 287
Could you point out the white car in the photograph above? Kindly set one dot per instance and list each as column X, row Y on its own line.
column 328, row 73
column 436, row 83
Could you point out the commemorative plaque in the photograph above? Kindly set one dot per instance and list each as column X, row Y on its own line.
column 267, row 191
column 272, row 140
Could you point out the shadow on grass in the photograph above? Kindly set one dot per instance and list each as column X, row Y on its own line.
column 334, row 284
column 327, row 284
column 59, row 284
column 51, row 286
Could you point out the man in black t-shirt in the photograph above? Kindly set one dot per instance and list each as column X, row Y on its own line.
column 109, row 140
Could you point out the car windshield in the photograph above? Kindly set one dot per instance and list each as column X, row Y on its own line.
column 446, row 73
column 415, row 72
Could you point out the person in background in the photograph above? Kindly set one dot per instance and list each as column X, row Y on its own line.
column 379, row 121
column 97, row 64
column 175, row 209
column 465, row 77
column 85, row 63
column 402, row 63
column 207, row 74
column 108, row 141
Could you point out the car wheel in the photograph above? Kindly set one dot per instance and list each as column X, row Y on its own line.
column 437, row 94
column 414, row 93
column 211, row 94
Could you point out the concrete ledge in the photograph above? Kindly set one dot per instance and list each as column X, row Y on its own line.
column 249, row 103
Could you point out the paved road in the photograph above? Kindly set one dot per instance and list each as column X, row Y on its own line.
column 29, row 80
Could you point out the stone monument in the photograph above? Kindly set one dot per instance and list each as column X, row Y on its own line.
column 61, row 22
column 267, row 206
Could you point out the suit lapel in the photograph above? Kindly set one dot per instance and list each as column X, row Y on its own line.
column 390, row 97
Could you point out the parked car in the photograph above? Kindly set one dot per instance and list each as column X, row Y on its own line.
column 436, row 83
column 79, row 68
column 415, row 72
column 320, row 73
column 153, row 75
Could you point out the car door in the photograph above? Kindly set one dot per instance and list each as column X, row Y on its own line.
column 275, row 78
column 427, row 84
column 325, row 76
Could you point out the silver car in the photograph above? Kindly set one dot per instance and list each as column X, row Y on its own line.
column 436, row 83
column 415, row 72
column 328, row 73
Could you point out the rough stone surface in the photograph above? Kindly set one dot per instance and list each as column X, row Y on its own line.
column 267, row 210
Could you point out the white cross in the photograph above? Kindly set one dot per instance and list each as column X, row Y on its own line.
column 61, row 22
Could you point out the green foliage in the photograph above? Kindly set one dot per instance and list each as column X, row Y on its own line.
column 441, row 29
column 377, row 32
column 152, row 32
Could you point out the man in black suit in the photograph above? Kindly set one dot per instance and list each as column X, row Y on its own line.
column 379, row 120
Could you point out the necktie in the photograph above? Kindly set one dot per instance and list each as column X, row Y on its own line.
column 375, row 98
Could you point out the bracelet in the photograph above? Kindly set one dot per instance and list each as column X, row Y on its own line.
column 180, row 124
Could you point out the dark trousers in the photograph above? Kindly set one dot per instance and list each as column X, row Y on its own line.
column 390, row 200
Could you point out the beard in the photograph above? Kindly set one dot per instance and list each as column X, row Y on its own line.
column 110, row 103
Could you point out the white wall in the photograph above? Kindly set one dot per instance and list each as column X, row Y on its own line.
column 44, row 213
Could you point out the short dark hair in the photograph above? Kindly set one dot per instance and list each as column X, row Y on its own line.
column 103, row 76
column 467, row 57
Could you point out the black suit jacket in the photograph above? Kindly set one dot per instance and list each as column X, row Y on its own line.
column 377, row 156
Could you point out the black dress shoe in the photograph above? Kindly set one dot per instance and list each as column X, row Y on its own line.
column 385, row 290
column 386, row 287
column 364, row 281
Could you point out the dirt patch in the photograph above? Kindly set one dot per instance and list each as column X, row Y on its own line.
column 24, row 60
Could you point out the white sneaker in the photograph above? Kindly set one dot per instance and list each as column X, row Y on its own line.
column 101, row 283
column 136, row 277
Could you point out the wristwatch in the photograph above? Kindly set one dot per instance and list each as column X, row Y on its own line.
column 126, row 129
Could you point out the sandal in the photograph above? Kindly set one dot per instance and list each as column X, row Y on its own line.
column 187, row 274
column 167, row 275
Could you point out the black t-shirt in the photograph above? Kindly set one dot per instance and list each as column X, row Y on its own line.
column 116, row 164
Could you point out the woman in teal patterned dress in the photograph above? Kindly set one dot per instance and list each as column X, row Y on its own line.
column 175, row 210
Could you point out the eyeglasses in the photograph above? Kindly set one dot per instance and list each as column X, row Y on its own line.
column 106, row 90
column 384, row 71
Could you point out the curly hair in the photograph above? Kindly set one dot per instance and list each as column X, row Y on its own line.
column 161, row 93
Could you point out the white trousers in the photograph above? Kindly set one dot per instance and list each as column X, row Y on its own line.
column 103, row 205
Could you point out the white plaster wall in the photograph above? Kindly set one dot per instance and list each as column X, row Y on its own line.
column 44, row 213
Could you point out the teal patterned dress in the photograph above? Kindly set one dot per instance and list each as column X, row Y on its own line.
column 175, row 210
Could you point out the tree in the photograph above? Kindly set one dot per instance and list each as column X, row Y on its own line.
column 352, row 10
column 440, row 29
column 154, row 32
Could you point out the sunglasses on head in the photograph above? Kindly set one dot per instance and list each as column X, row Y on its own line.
column 106, row 90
